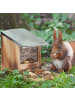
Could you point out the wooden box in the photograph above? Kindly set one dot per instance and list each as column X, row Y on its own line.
column 19, row 53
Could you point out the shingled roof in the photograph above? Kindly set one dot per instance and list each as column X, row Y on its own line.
column 24, row 37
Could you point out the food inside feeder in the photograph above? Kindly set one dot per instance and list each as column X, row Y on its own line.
column 28, row 55
column 29, row 60
column 26, row 62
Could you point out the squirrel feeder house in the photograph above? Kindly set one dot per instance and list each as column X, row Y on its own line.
column 20, row 49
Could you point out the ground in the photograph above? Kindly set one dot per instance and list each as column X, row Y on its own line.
column 16, row 80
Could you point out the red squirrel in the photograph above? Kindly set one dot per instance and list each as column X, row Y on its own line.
column 62, row 54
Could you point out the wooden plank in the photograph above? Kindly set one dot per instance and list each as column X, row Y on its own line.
column 2, row 62
column 10, row 53
column 39, row 55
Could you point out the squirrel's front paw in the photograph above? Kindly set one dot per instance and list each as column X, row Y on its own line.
column 53, row 67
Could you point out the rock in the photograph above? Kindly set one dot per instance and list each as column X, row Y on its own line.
column 38, row 79
column 48, row 77
column 24, row 77
column 47, row 72
column 46, row 66
column 38, row 71
column 32, row 75
column 51, row 78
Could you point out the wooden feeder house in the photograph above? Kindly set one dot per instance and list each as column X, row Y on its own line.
column 20, row 49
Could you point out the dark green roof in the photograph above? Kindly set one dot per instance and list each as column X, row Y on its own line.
column 24, row 37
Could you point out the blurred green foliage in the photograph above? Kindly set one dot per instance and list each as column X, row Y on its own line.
column 57, row 20
column 15, row 80
column 30, row 19
column 57, row 23
column 47, row 35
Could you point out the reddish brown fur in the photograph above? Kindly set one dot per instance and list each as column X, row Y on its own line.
column 73, row 47
column 54, row 35
column 62, row 52
column 58, row 46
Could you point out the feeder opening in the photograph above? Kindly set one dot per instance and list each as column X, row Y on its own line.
column 28, row 55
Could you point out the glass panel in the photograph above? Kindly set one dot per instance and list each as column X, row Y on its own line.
column 28, row 55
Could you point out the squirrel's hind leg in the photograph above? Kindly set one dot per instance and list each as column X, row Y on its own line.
column 67, row 64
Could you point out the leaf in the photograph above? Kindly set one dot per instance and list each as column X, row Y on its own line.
column 1, row 72
column 38, row 19
column 15, row 72
column 19, row 76
column 6, row 69
column 26, row 73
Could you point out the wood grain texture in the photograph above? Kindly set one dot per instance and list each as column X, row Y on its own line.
column 9, row 54
column 39, row 55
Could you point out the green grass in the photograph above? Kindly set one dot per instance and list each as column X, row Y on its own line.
column 15, row 79
column 47, row 60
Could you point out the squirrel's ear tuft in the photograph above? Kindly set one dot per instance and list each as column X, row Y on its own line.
column 54, row 35
column 60, row 36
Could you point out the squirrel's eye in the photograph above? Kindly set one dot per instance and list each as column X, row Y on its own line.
column 59, row 46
